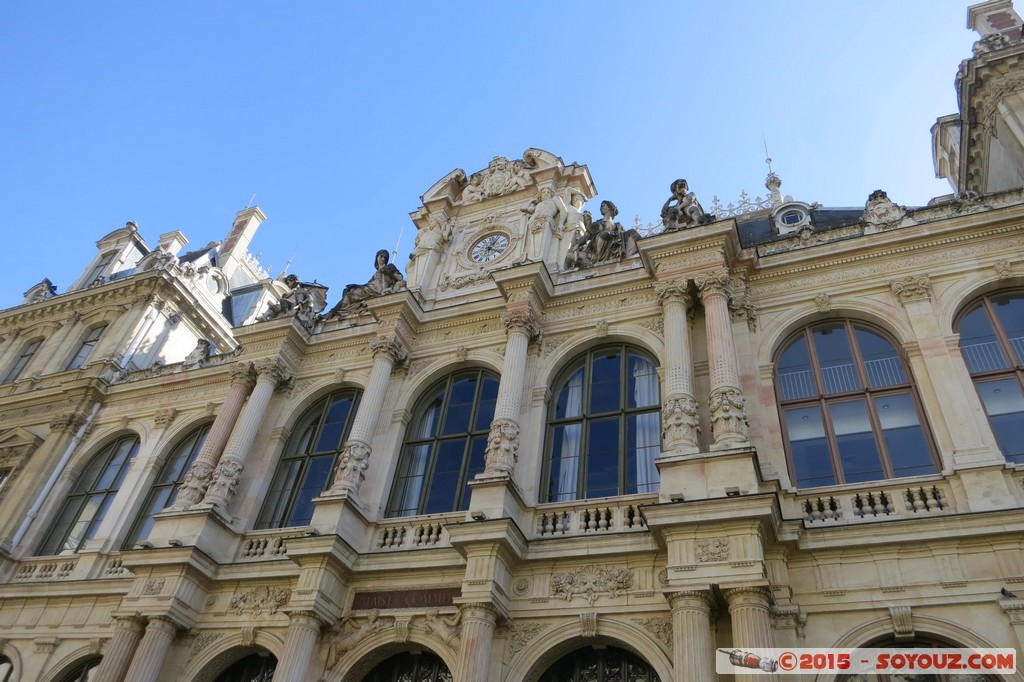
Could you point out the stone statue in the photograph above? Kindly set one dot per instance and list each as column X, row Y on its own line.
column 199, row 355
column 346, row 641
column 386, row 280
column 682, row 209
column 546, row 212
column 447, row 628
column 603, row 240
column 40, row 292
column 296, row 302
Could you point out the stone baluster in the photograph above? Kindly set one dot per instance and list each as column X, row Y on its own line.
column 300, row 640
column 503, row 441
column 269, row 373
column 476, row 639
column 679, row 421
column 388, row 350
column 152, row 650
column 197, row 479
column 692, row 647
column 119, row 653
column 728, row 414
column 749, row 609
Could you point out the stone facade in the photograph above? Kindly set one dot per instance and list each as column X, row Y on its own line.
column 719, row 544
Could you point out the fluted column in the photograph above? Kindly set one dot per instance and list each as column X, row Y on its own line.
column 300, row 640
column 691, row 636
column 269, row 373
column 197, row 479
column 679, row 422
column 751, row 620
column 118, row 654
column 388, row 350
column 477, row 636
column 503, row 441
column 728, row 414
column 150, row 655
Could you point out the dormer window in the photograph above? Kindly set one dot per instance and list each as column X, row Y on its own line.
column 791, row 217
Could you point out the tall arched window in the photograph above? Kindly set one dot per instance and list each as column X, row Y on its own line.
column 607, row 664
column 992, row 343
column 83, row 510
column 172, row 473
column 81, row 672
column 309, row 459
column 25, row 357
column 445, row 445
column 604, row 426
column 849, row 410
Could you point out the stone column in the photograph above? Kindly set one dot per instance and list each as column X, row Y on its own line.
column 149, row 657
column 679, row 407
column 197, row 479
column 388, row 350
column 300, row 640
column 269, row 373
column 477, row 636
column 691, row 636
column 119, row 653
column 749, row 609
column 728, row 416
column 503, row 441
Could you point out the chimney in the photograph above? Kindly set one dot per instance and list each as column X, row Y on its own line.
column 234, row 247
column 995, row 16
column 172, row 242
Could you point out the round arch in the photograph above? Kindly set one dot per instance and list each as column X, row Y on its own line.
column 226, row 650
column 416, row 385
column 581, row 342
column 14, row 656
column 533, row 661
column 380, row 646
column 66, row 664
column 963, row 293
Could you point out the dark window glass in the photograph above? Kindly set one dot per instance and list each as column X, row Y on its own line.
column 600, row 665
column 444, row 448
column 19, row 365
column 604, row 427
column 85, row 349
column 82, row 672
column 308, row 462
column 411, row 667
column 82, row 512
column 6, row 669
column 171, row 475
column 992, row 344
column 848, row 408
column 254, row 668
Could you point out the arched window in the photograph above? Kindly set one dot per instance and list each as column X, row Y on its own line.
column 6, row 669
column 894, row 645
column 82, row 671
column 420, row 666
column 445, row 445
column 253, row 668
column 84, row 509
column 167, row 483
column 309, row 459
column 27, row 352
column 992, row 343
column 849, row 410
column 600, row 665
column 604, row 426
column 85, row 348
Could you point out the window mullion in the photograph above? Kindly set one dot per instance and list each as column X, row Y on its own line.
column 833, row 444
column 1001, row 338
column 876, row 429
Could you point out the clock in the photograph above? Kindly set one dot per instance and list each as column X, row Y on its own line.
column 489, row 247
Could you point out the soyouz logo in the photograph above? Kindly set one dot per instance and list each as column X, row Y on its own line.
column 854, row 661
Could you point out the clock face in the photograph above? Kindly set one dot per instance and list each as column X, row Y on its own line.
column 489, row 248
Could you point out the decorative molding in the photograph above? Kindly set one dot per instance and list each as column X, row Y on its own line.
column 202, row 641
column 659, row 627
column 1003, row 268
column 591, row 582
column 521, row 319
column 823, row 303
column 165, row 417
column 389, row 346
column 728, row 413
column 679, row 421
column 153, row 586
column 355, row 458
column 588, row 625
column 520, row 634
column 502, row 448
column 712, row 549
column 789, row 617
column 259, row 600
column 902, row 622
column 913, row 288
column 676, row 290
column 713, row 283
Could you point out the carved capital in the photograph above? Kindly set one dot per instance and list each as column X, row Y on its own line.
column 67, row 422
column 914, row 288
column 521, row 320
column 305, row 620
column 354, row 460
column 164, row 418
column 162, row 624
column 272, row 370
column 389, row 346
column 676, row 290
column 502, row 448
column 713, row 283
column 134, row 623
column 679, row 422
column 728, row 414
column 750, row 596
column 691, row 600
column 243, row 374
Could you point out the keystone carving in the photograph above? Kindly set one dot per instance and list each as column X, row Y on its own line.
column 914, row 288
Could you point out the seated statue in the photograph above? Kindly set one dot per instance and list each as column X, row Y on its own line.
column 297, row 301
column 602, row 240
column 386, row 280
column 682, row 209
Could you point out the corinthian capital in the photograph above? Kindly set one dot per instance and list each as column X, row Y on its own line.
column 242, row 373
column 390, row 346
column 272, row 369
column 675, row 290
column 712, row 283
column 521, row 320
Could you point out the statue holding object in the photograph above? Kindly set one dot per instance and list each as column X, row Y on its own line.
column 682, row 210
column 386, row 280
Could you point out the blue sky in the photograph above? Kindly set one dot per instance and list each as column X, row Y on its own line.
column 340, row 115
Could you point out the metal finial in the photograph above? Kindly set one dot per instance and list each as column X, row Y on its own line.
column 253, row 197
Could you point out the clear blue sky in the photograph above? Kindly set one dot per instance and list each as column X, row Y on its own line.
column 340, row 115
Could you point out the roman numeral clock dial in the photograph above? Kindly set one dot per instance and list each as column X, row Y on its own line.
column 489, row 247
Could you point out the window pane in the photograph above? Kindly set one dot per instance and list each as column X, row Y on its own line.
column 460, row 406
column 858, row 451
column 1010, row 313
column 796, row 380
column 978, row 343
column 285, row 479
column 569, row 402
column 426, row 425
column 809, row 447
column 565, row 463
column 835, row 358
column 158, row 500
column 1004, row 404
column 643, row 383
column 605, row 392
column 603, row 458
column 881, row 362
column 444, row 482
column 477, row 450
column 643, row 446
column 314, row 483
column 411, row 477
column 334, row 426
column 904, row 437
column 60, row 528
column 485, row 406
